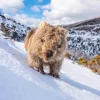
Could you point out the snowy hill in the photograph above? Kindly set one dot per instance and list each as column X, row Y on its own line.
column 85, row 37
column 19, row 82
column 12, row 28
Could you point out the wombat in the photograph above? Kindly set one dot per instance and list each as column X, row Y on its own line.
column 46, row 45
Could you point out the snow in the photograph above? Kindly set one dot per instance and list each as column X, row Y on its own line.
column 19, row 82
column 12, row 26
column 1, row 34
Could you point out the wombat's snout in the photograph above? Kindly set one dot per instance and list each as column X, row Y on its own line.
column 49, row 53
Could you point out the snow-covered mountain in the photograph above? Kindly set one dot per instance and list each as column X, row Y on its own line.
column 85, row 37
column 19, row 82
column 13, row 29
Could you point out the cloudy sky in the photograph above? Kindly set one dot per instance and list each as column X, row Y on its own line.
column 31, row 12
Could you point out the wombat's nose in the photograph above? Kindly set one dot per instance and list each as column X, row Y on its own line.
column 49, row 53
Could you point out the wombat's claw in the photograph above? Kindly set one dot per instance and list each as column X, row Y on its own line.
column 37, row 69
column 41, row 71
column 33, row 67
column 49, row 74
column 54, row 75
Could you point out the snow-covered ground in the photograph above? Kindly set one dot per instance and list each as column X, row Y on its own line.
column 19, row 82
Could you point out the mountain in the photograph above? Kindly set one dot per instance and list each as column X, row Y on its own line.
column 18, row 81
column 13, row 29
column 84, row 37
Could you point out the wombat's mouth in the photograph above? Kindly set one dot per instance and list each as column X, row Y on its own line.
column 48, row 60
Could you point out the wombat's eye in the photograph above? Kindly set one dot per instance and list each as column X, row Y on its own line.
column 59, row 46
column 42, row 40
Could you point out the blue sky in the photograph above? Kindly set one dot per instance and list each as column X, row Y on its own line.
column 30, row 3
column 57, row 12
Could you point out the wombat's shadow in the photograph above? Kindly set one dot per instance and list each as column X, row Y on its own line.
column 78, row 85
column 53, row 83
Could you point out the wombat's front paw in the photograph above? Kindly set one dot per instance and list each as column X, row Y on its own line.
column 54, row 75
column 35, row 68
column 38, row 69
column 41, row 71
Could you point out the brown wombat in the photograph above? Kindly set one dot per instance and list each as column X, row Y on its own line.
column 46, row 46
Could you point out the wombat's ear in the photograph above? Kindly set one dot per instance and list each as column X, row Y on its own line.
column 42, row 24
column 63, row 30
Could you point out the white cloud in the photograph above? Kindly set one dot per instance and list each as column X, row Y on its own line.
column 11, row 6
column 46, row 7
column 40, row 0
column 28, row 21
column 35, row 8
column 57, row 12
column 61, row 21
column 69, row 11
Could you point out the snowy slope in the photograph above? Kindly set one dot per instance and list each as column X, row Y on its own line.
column 19, row 82
column 85, row 37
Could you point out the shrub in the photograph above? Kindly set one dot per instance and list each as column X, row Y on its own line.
column 67, row 55
column 82, row 61
column 94, row 64
column 93, row 70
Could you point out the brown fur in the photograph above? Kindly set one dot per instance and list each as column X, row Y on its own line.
column 38, row 43
column 27, row 38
